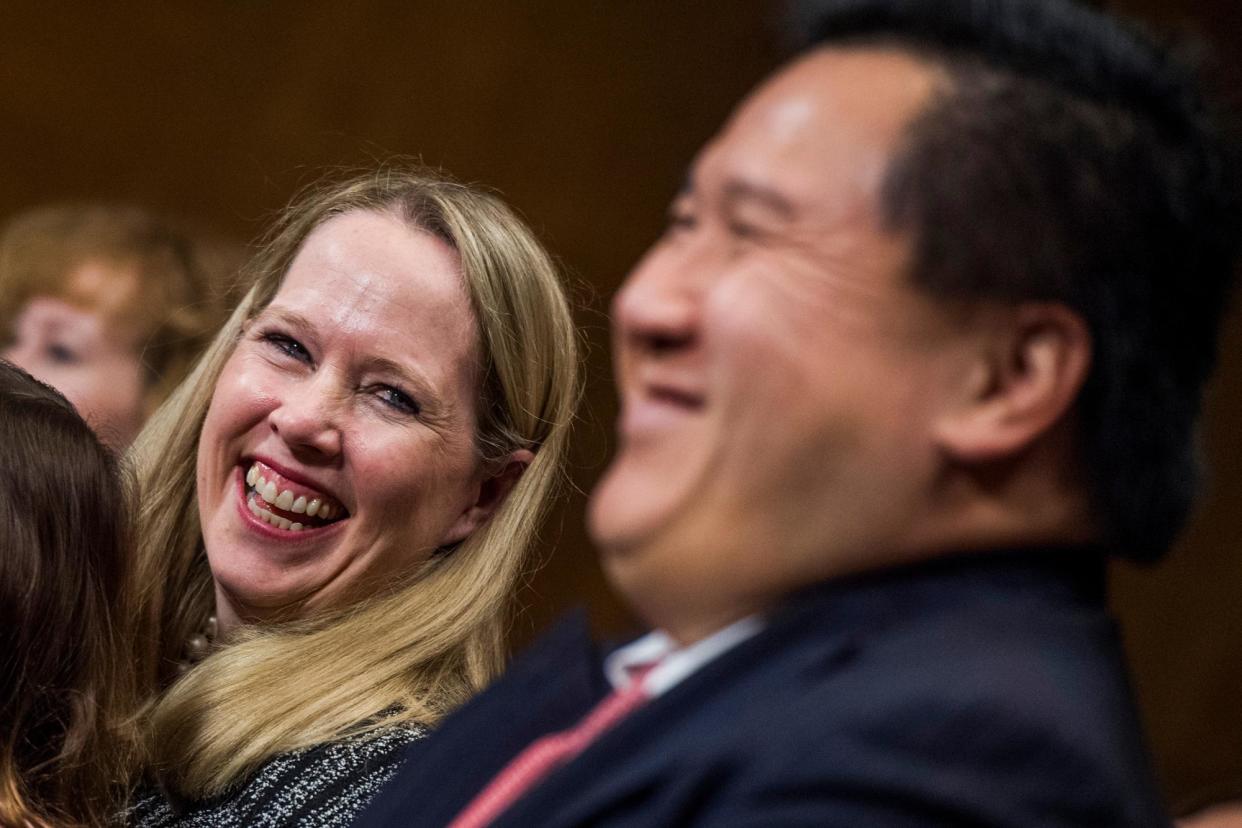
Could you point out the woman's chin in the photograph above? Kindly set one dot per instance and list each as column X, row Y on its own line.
column 249, row 603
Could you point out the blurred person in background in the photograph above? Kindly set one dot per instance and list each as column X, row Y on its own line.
column 110, row 305
column 68, row 688
column 339, row 503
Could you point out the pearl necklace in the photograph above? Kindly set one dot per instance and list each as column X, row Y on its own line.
column 199, row 645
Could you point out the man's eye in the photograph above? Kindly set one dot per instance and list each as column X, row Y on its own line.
column 61, row 354
column 742, row 230
column 397, row 399
column 288, row 346
column 681, row 220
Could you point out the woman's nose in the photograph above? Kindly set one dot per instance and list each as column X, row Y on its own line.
column 308, row 418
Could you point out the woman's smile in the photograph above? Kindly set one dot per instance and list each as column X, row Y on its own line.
column 271, row 506
column 287, row 504
column 342, row 428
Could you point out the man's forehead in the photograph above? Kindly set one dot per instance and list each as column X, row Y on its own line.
column 829, row 120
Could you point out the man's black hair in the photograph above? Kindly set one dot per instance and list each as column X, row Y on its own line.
column 1071, row 159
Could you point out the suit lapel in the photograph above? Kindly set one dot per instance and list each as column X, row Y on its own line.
column 548, row 689
column 643, row 757
column 655, row 756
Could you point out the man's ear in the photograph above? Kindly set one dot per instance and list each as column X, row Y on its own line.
column 492, row 491
column 1030, row 367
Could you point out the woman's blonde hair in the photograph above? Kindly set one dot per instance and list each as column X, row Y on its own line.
column 414, row 652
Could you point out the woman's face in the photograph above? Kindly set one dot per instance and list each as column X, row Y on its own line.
column 77, row 352
column 338, row 451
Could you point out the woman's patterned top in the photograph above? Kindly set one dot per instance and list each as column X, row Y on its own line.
column 325, row 785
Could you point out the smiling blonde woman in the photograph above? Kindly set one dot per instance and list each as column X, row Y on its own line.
column 338, row 503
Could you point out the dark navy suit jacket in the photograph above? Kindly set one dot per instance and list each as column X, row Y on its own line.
column 977, row 691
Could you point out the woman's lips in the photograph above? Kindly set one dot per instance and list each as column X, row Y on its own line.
column 294, row 511
column 292, row 498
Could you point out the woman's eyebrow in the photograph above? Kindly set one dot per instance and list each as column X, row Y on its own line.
column 289, row 317
column 414, row 378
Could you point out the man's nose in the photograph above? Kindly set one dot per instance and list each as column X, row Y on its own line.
column 657, row 309
column 308, row 417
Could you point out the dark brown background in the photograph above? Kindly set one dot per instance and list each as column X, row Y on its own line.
column 584, row 113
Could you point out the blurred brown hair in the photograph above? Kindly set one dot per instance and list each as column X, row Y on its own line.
column 67, row 684
column 164, row 288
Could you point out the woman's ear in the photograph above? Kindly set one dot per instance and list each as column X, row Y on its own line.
column 1029, row 369
column 492, row 491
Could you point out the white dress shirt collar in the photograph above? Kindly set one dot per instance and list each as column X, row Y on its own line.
column 673, row 663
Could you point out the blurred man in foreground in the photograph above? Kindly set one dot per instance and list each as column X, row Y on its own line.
column 922, row 347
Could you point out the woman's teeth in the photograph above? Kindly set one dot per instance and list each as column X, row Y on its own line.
column 286, row 501
column 275, row 520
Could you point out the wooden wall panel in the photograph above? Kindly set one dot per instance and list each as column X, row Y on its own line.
column 584, row 113
column 1182, row 620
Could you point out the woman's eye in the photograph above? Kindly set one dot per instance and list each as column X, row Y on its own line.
column 288, row 346
column 61, row 354
column 397, row 399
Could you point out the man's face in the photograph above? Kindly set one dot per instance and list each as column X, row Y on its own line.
column 777, row 373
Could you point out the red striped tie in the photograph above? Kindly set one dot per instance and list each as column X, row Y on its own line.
column 548, row 753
